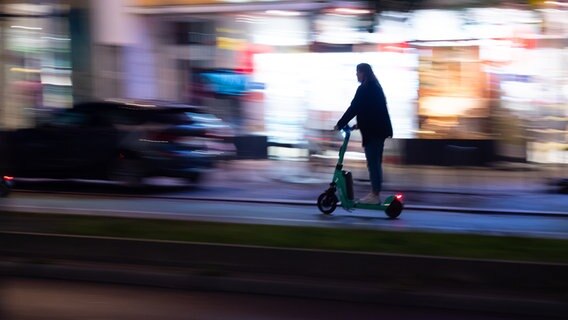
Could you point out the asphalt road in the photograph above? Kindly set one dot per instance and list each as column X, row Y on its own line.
column 301, row 215
column 32, row 299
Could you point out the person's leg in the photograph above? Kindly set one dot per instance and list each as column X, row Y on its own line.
column 379, row 176
column 374, row 155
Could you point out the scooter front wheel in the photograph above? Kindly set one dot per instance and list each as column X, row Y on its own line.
column 327, row 202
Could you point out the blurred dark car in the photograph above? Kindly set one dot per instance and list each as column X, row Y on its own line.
column 124, row 141
column 5, row 185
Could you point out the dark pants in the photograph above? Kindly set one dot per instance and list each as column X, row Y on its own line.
column 374, row 155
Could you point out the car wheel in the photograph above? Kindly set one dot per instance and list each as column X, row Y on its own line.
column 4, row 189
column 128, row 172
column 195, row 177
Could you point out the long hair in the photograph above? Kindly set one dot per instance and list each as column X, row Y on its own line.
column 369, row 75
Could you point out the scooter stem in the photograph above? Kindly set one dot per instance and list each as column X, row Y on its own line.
column 343, row 148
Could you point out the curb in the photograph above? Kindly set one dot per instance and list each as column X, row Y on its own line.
column 407, row 280
column 406, row 206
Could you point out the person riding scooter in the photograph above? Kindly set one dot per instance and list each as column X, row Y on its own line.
column 370, row 107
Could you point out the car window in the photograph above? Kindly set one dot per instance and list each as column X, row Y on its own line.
column 174, row 117
column 98, row 120
column 125, row 117
column 68, row 118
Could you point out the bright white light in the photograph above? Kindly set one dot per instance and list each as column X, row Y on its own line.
column 351, row 11
column 431, row 25
column 26, row 28
column 456, row 43
column 282, row 31
column 55, row 80
column 27, row 9
column 283, row 13
column 291, row 93
column 562, row 4
column 248, row 19
column 56, row 39
column 144, row 105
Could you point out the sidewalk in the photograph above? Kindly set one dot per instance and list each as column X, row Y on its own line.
column 475, row 188
column 464, row 180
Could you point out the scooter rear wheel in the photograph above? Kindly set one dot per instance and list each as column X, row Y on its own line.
column 327, row 203
column 394, row 209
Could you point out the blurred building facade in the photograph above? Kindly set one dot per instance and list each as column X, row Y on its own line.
column 495, row 77
column 35, row 45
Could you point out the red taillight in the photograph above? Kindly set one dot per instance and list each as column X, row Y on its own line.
column 8, row 178
column 399, row 197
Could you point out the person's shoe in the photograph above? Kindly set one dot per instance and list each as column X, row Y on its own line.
column 371, row 198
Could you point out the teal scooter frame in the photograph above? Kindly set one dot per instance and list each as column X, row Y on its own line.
column 342, row 184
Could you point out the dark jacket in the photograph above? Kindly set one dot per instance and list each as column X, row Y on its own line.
column 370, row 107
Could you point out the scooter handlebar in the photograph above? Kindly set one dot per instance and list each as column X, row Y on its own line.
column 349, row 129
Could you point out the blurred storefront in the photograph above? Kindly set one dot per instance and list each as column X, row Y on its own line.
column 487, row 84
column 527, row 64
column 289, row 65
column 37, row 59
column 206, row 49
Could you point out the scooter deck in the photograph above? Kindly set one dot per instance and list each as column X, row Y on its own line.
column 371, row 206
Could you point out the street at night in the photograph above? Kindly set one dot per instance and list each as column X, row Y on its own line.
column 255, row 159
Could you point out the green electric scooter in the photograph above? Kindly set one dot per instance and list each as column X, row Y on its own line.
column 343, row 182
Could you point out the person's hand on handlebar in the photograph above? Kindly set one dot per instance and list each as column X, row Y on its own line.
column 354, row 127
